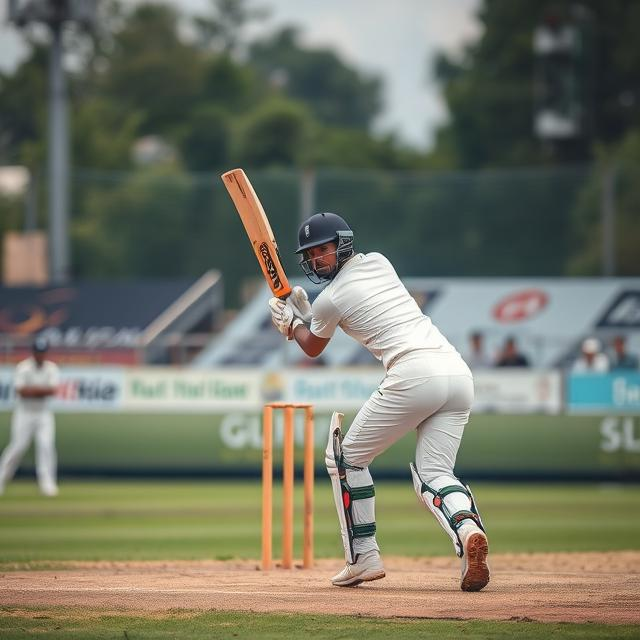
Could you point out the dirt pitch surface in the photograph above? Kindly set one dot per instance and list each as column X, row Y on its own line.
column 577, row 587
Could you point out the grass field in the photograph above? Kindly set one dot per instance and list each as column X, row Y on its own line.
column 221, row 520
column 83, row 625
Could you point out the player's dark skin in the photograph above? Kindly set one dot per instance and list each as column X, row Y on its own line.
column 323, row 258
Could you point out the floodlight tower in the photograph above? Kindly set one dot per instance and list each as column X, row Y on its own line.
column 55, row 14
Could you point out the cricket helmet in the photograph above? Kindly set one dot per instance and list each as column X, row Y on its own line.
column 319, row 229
column 40, row 345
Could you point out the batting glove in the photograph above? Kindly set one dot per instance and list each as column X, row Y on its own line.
column 283, row 317
column 298, row 300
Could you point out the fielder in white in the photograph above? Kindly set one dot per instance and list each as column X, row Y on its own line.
column 36, row 380
column 428, row 388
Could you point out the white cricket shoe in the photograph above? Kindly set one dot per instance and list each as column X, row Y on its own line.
column 367, row 567
column 50, row 490
column 475, row 570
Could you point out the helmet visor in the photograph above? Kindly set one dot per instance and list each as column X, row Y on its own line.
column 317, row 268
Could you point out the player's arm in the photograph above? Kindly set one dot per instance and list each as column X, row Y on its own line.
column 35, row 392
column 294, row 328
column 311, row 344
column 291, row 319
column 26, row 390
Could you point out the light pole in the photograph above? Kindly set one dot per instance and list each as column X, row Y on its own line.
column 55, row 14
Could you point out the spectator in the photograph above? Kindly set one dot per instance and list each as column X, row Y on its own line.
column 622, row 359
column 592, row 359
column 510, row 356
column 476, row 358
column 36, row 380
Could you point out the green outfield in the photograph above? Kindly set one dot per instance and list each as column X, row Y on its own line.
column 221, row 520
column 81, row 624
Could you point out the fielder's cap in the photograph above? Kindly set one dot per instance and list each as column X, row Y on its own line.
column 591, row 345
column 40, row 345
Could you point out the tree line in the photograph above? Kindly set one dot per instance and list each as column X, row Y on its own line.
column 213, row 99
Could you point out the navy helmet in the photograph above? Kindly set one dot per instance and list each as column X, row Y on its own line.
column 40, row 345
column 322, row 228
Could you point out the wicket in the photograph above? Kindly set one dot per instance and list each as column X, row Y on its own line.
column 287, row 485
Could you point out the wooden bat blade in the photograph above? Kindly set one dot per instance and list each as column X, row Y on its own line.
column 258, row 229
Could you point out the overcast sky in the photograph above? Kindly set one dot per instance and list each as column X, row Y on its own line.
column 395, row 39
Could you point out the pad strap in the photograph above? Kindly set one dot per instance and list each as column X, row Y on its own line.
column 455, row 519
column 434, row 500
column 349, row 494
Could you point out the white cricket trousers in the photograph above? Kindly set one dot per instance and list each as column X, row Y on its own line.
column 26, row 426
column 430, row 393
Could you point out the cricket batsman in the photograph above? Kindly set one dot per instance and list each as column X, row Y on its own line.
column 428, row 388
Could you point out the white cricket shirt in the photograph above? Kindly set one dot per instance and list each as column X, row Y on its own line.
column 29, row 374
column 368, row 301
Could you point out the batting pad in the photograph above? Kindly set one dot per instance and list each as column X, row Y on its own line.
column 354, row 495
column 449, row 501
column 332, row 458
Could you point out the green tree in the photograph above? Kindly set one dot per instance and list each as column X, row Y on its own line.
column 356, row 149
column 229, row 85
column 205, row 139
column 151, row 70
column 587, row 251
column 489, row 91
column 334, row 92
column 103, row 133
column 23, row 106
column 276, row 133
column 222, row 30
column 136, row 226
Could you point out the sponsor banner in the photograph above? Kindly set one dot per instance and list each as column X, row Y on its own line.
column 497, row 392
column 80, row 389
column 623, row 312
column 195, row 391
column 517, row 391
column 89, row 389
column 620, row 435
column 234, row 389
column 604, row 393
column 190, row 390
column 335, row 390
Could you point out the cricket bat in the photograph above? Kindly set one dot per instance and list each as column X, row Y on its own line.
column 258, row 229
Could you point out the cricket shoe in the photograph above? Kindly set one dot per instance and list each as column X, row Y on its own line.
column 475, row 570
column 367, row 567
column 50, row 490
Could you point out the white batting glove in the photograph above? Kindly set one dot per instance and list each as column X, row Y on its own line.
column 283, row 317
column 298, row 300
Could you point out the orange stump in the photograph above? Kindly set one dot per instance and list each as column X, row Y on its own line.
column 288, row 466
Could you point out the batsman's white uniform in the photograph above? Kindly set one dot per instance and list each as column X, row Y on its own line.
column 428, row 388
column 33, row 420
